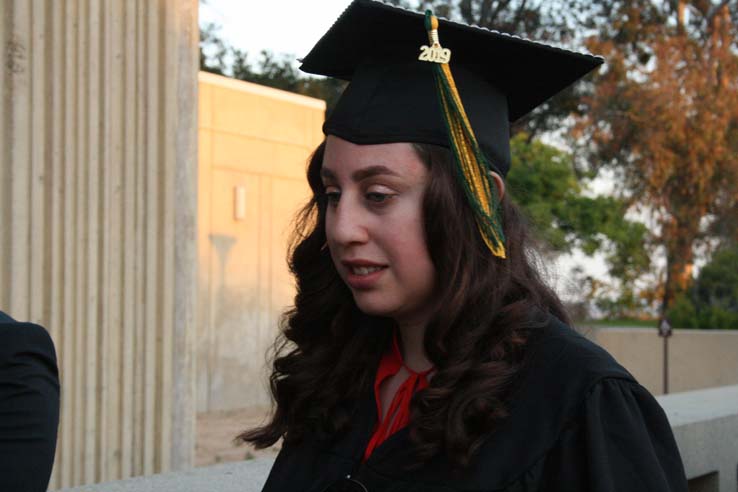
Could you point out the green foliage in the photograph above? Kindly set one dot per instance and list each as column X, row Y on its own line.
column 683, row 313
column 624, row 323
column 213, row 50
column 542, row 181
column 717, row 283
column 712, row 299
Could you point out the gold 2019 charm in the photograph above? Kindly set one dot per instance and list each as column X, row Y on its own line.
column 434, row 54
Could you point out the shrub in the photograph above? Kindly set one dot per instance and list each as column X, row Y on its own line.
column 712, row 299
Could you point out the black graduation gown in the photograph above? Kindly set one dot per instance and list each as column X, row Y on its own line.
column 29, row 406
column 578, row 422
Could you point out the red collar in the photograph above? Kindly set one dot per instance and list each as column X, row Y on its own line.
column 398, row 414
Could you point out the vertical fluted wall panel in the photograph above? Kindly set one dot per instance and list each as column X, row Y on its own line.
column 6, row 65
column 98, row 220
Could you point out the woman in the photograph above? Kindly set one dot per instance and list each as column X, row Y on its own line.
column 423, row 351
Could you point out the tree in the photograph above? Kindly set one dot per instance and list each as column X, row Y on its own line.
column 542, row 181
column 664, row 117
column 712, row 299
column 213, row 51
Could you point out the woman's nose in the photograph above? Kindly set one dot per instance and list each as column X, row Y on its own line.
column 345, row 224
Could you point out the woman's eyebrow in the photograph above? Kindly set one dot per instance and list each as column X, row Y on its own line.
column 361, row 174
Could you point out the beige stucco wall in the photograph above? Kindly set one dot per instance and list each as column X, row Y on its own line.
column 697, row 358
column 97, row 220
column 260, row 139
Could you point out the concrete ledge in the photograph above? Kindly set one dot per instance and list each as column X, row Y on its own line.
column 244, row 476
column 705, row 424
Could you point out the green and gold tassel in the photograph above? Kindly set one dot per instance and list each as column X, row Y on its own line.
column 473, row 169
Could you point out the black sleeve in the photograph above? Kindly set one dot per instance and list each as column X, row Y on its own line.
column 29, row 407
column 305, row 467
column 621, row 442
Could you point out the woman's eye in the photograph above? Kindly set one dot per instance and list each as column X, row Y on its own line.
column 376, row 197
column 332, row 197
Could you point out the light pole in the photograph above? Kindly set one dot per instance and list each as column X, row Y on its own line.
column 665, row 332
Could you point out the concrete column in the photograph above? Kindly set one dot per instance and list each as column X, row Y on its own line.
column 98, row 212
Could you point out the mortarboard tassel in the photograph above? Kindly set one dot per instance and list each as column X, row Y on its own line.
column 472, row 167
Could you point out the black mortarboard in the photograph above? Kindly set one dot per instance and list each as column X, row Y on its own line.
column 392, row 96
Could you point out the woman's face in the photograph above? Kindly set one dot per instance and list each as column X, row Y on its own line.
column 374, row 226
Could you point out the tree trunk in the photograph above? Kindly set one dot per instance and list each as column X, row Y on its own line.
column 679, row 262
column 681, row 9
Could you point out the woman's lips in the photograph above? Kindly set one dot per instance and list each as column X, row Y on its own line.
column 363, row 274
column 360, row 279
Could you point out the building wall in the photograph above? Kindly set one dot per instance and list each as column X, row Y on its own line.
column 697, row 358
column 97, row 220
column 258, row 139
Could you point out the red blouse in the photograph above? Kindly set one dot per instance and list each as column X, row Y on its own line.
column 399, row 410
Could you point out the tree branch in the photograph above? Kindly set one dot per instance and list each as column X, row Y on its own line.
column 500, row 7
column 714, row 10
column 484, row 13
column 465, row 8
column 519, row 15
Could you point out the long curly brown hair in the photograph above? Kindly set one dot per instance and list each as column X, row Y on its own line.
column 327, row 354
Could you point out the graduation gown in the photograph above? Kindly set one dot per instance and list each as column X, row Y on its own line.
column 578, row 422
column 29, row 406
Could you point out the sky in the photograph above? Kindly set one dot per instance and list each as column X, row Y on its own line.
column 287, row 26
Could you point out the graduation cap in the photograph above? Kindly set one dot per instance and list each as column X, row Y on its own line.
column 416, row 78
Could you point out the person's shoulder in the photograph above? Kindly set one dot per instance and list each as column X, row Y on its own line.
column 18, row 336
column 568, row 356
column 561, row 370
column 5, row 318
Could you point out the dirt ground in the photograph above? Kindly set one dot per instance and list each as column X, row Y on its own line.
column 216, row 431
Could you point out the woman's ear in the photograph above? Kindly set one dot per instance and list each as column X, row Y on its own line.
column 500, row 184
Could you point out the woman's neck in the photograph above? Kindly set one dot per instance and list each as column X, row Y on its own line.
column 413, row 348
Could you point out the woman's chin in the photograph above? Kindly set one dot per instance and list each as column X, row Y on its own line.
column 374, row 307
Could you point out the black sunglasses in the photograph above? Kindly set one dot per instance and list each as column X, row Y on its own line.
column 346, row 484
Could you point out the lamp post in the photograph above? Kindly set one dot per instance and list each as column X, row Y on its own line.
column 665, row 332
